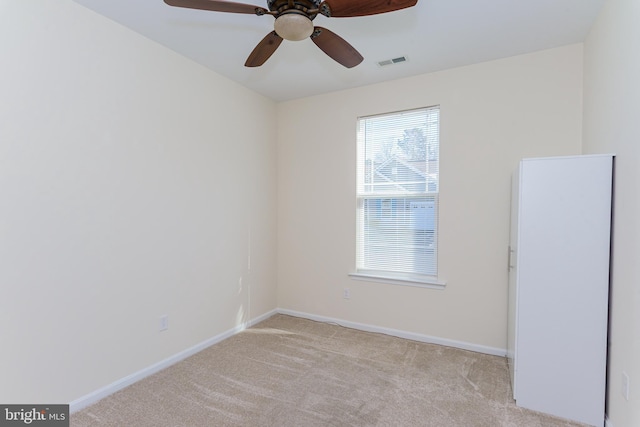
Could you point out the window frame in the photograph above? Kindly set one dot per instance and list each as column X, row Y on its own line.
column 405, row 278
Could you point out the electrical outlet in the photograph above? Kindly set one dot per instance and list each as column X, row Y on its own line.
column 624, row 388
column 164, row 323
column 346, row 293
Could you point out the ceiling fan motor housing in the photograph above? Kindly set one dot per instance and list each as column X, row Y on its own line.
column 306, row 7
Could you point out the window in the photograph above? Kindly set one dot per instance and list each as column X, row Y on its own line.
column 397, row 196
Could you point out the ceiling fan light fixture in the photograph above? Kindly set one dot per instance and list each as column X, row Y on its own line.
column 293, row 26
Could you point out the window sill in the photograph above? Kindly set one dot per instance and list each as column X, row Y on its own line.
column 426, row 282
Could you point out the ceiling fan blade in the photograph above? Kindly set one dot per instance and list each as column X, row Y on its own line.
column 218, row 6
column 348, row 8
column 336, row 47
column 263, row 50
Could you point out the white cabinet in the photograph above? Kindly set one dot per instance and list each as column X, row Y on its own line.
column 559, row 285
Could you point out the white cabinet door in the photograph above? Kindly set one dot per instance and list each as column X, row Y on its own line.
column 560, row 294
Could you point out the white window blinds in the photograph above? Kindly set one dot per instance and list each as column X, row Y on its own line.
column 397, row 193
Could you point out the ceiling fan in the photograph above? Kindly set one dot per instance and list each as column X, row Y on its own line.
column 293, row 22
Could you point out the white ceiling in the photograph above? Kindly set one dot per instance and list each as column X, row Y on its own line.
column 434, row 35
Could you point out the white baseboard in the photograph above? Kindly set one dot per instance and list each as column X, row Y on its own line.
column 401, row 334
column 103, row 392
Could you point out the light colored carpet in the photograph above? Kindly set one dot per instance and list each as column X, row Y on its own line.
column 288, row 371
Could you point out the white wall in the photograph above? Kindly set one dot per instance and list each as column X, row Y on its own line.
column 130, row 187
column 612, row 125
column 492, row 114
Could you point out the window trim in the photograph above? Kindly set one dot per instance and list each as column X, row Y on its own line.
column 429, row 282
column 393, row 277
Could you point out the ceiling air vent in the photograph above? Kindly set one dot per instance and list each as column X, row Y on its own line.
column 392, row 61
